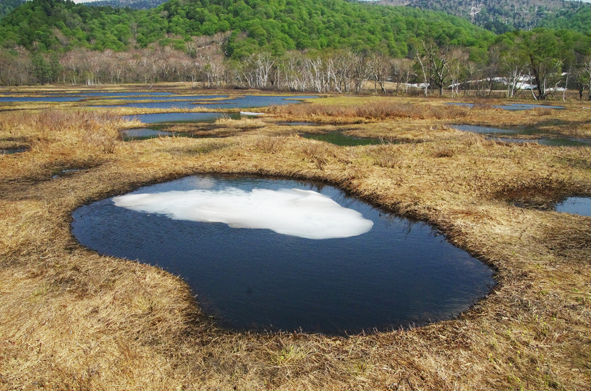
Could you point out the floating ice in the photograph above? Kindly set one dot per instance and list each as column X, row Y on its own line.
column 295, row 212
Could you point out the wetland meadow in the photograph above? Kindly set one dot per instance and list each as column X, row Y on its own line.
column 413, row 244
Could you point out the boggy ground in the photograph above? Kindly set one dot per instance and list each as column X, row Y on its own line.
column 74, row 320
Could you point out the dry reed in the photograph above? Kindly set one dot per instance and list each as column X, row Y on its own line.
column 372, row 111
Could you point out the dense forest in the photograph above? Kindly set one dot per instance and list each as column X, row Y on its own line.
column 8, row 5
column 501, row 16
column 135, row 4
column 577, row 20
column 498, row 16
column 275, row 25
column 321, row 46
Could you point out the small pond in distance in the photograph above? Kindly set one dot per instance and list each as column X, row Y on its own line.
column 144, row 133
column 298, row 124
column 10, row 151
column 552, row 142
column 340, row 265
column 512, row 106
column 244, row 102
column 180, row 117
column 575, row 205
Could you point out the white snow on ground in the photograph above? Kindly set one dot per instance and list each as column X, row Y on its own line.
column 302, row 213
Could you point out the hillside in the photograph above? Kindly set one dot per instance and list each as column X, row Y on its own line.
column 577, row 20
column 8, row 5
column 135, row 4
column 276, row 25
column 498, row 15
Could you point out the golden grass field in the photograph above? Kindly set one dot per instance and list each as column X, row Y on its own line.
column 71, row 319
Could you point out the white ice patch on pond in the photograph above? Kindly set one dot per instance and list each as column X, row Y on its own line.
column 302, row 213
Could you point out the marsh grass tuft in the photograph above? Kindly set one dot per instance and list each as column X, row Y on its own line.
column 243, row 123
column 270, row 144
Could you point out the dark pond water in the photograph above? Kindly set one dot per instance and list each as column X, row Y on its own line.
column 164, row 100
column 144, row 133
column 324, row 273
column 10, row 151
column 486, row 129
column 511, row 106
column 553, row 142
column 168, row 102
column 160, row 95
column 76, row 97
column 247, row 101
column 575, row 205
column 180, row 117
column 298, row 124
column 41, row 99
column 342, row 140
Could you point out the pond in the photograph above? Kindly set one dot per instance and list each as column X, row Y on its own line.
column 145, row 133
column 298, row 124
column 237, row 103
column 269, row 254
column 343, row 140
column 162, row 100
column 9, row 99
column 76, row 97
column 575, row 205
column 10, row 151
column 553, row 142
column 512, row 106
column 180, row 117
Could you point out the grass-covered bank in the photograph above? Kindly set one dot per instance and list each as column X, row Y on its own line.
column 71, row 319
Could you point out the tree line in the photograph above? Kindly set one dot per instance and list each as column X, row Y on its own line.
column 539, row 63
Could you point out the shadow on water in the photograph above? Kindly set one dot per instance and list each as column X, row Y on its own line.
column 394, row 275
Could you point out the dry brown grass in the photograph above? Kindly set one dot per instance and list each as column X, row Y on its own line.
column 72, row 319
column 242, row 123
column 370, row 111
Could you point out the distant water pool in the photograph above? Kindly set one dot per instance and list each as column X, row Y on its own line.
column 10, row 151
column 178, row 117
column 247, row 101
column 161, row 100
column 553, row 142
column 287, row 255
column 511, row 106
column 575, row 205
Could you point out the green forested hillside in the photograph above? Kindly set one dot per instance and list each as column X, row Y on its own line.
column 500, row 16
column 577, row 20
column 276, row 25
column 135, row 4
column 8, row 5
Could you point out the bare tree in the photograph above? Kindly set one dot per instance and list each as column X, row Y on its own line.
column 435, row 63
